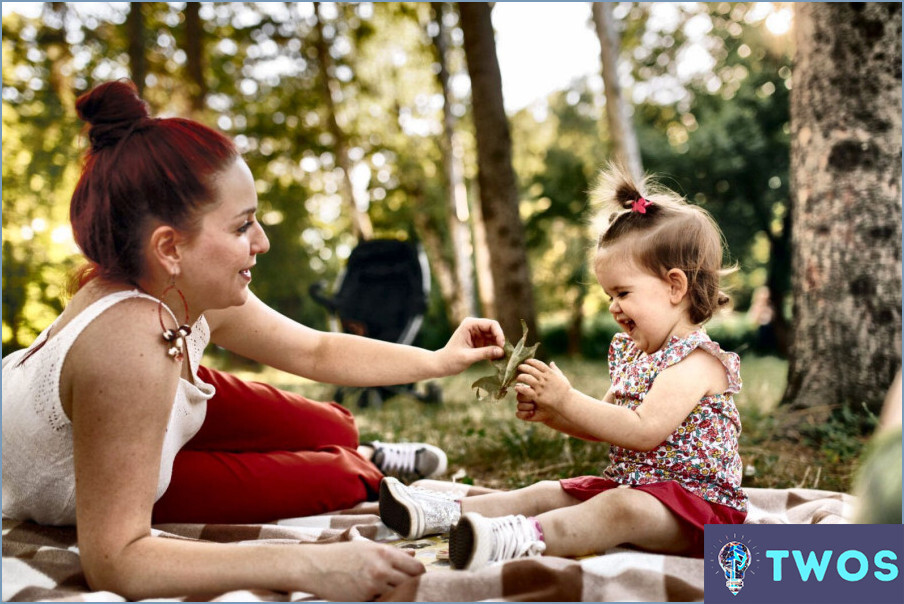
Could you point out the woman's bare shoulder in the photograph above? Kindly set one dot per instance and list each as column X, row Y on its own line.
column 121, row 350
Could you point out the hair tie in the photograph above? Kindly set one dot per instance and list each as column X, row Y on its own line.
column 640, row 205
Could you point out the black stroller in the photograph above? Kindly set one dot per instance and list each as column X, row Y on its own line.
column 382, row 293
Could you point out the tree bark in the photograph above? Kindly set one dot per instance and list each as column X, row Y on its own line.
column 60, row 55
column 846, row 207
column 137, row 59
column 496, row 176
column 361, row 225
column 194, row 52
column 462, row 301
column 621, row 129
column 483, row 265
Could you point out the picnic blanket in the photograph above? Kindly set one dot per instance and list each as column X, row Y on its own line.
column 41, row 563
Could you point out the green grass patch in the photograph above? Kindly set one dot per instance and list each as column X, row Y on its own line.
column 488, row 446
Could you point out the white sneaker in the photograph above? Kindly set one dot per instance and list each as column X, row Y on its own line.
column 414, row 512
column 409, row 461
column 477, row 541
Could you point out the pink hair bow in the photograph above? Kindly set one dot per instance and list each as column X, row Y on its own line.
column 640, row 206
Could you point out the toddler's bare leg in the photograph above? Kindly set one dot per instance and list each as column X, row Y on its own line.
column 529, row 501
column 615, row 517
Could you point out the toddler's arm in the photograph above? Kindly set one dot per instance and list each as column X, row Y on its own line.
column 674, row 394
column 532, row 410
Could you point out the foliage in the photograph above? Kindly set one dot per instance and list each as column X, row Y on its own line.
column 721, row 138
column 726, row 146
column 38, row 175
column 506, row 368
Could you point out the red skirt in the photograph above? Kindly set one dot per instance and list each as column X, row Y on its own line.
column 691, row 509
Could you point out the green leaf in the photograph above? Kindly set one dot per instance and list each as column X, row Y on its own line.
column 506, row 368
column 489, row 384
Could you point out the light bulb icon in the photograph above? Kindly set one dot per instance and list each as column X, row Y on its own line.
column 734, row 558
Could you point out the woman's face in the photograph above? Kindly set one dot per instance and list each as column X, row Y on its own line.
column 217, row 261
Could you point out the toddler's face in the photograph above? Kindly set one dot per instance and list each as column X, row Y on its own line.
column 641, row 303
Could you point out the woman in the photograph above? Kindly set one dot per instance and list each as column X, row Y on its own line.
column 110, row 423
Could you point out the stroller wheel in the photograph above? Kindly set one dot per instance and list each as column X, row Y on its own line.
column 370, row 397
column 434, row 394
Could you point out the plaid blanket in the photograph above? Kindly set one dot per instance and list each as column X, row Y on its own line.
column 42, row 563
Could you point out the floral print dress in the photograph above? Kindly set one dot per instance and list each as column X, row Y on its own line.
column 702, row 453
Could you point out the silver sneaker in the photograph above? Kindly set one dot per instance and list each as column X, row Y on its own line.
column 477, row 541
column 409, row 461
column 414, row 512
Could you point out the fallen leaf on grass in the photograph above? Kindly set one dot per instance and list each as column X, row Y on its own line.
column 497, row 385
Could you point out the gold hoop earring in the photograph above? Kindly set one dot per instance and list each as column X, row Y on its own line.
column 174, row 336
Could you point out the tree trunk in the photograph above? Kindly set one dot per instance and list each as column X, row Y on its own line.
column 194, row 51
column 496, row 176
column 621, row 128
column 137, row 58
column 462, row 301
column 60, row 55
column 846, row 207
column 482, row 265
column 361, row 225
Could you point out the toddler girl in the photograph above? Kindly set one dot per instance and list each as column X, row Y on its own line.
column 669, row 416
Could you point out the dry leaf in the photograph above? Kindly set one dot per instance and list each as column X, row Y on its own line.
column 506, row 367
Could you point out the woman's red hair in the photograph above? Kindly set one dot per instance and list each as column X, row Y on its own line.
column 138, row 171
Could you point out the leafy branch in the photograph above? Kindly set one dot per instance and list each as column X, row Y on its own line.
column 506, row 368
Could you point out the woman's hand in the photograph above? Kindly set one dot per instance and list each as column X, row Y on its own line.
column 541, row 389
column 359, row 571
column 474, row 340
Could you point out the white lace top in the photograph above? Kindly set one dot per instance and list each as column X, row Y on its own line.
column 38, row 470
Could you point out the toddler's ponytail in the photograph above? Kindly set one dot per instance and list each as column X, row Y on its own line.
column 659, row 230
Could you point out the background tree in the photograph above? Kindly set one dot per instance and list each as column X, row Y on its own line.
column 363, row 228
column 462, row 298
column 495, row 176
column 137, row 49
column 194, row 44
column 846, row 208
column 621, row 126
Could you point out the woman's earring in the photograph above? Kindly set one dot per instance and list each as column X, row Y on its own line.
column 174, row 336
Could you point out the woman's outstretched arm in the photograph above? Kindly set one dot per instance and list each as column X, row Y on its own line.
column 256, row 331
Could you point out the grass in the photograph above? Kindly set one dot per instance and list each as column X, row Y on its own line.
column 488, row 446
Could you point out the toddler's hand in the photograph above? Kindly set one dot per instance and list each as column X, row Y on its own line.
column 540, row 389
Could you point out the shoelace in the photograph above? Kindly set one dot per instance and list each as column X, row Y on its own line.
column 398, row 458
column 514, row 537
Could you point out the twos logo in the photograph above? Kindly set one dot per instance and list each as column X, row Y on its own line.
column 734, row 558
column 803, row 563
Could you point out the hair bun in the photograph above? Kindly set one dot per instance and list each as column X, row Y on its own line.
column 112, row 109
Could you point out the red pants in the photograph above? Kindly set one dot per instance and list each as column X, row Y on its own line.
column 263, row 454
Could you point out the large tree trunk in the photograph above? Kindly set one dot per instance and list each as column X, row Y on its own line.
column 137, row 59
column 621, row 129
column 462, row 301
column 496, row 176
column 361, row 224
column 846, row 207
column 194, row 52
